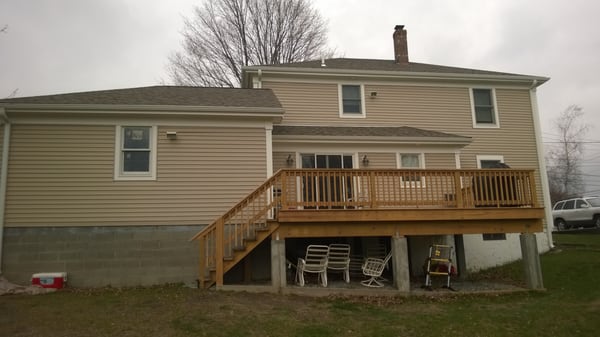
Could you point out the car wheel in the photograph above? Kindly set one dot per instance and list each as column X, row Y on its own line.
column 561, row 224
column 597, row 221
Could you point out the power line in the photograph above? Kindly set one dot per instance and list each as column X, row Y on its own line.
column 559, row 137
column 577, row 142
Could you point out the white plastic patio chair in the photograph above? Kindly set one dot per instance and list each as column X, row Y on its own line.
column 378, row 250
column 314, row 262
column 339, row 259
column 373, row 268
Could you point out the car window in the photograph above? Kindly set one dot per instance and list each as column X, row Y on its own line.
column 595, row 202
column 580, row 203
column 559, row 205
column 570, row 204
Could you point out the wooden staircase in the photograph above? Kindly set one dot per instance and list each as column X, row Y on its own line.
column 236, row 233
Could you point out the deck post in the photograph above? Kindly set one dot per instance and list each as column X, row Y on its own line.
column 278, row 272
column 461, row 262
column 282, row 202
column 201, row 263
column 220, row 252
column 400, row 263
column 531, row 261
column 458, row 190
column 372, row 192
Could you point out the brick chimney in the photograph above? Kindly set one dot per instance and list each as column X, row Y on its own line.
column 400, row 45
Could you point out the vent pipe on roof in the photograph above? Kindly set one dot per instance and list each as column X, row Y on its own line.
column 323, row 62
column 400, row 45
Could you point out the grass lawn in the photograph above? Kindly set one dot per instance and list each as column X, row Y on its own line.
column 569, row 307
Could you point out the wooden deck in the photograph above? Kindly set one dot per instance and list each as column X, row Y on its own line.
column 348, row 202
column 349, row 223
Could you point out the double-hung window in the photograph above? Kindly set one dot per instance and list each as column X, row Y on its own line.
column 483, row 105
column 411, row 161
column 351, row 101
column 135, row 153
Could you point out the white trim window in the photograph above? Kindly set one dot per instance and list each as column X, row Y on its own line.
column 484, row 108
column 135, row 153
column 351, row 100
column 489, row 161
column 411, row 161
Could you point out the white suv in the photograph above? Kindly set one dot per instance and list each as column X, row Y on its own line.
column 577, row 212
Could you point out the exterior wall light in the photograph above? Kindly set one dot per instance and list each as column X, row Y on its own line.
column 289, row 160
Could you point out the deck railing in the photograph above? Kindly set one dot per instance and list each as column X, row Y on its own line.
column 314, row 189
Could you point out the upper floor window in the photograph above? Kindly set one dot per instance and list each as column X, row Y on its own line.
column 351, row 101
column 135, row 153
column 483, row 106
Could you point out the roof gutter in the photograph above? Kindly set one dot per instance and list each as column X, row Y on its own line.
column 3, row 176
column 275, row 114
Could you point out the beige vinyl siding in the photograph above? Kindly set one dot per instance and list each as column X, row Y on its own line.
column 307, row 103
column 443, row 109
column 378, row 160
column 440, row 161
column 63, row 176
column 280, row 160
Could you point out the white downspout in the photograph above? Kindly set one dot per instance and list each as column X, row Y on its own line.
column 3, row 176
column 542, row 162
column 269, row 148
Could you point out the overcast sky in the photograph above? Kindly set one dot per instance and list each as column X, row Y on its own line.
column 56, row 46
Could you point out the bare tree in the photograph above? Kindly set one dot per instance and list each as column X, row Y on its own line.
column 564, row 157
column 224, row 35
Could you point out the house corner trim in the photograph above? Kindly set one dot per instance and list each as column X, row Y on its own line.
column 3, row 177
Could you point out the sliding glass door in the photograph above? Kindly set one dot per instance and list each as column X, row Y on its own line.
column 327, row 188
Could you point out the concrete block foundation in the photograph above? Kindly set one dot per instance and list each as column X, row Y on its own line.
column 103, row 256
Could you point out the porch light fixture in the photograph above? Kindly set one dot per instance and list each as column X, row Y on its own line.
column 365, row 160
column 373, row 94
column 172, row 135
column 289, row 160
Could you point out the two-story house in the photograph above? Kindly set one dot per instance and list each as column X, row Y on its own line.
column 109, row 185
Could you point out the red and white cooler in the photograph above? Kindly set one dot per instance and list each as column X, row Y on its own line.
column 49, row 280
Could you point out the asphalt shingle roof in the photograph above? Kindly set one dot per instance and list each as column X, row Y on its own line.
column 162, row 95
column 386, row 65
column 362, row 131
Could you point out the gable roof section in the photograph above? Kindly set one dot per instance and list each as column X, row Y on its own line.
column 386, row 65
column 374, row 67
column 160, row 95
column 361, row 133
column 165, row 101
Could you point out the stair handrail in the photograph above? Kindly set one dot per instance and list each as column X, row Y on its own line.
column 266, row 185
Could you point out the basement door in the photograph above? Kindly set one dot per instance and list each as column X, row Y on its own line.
column 326, row 188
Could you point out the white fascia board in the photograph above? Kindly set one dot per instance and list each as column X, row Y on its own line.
column 523, row 79
column 169, row 110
